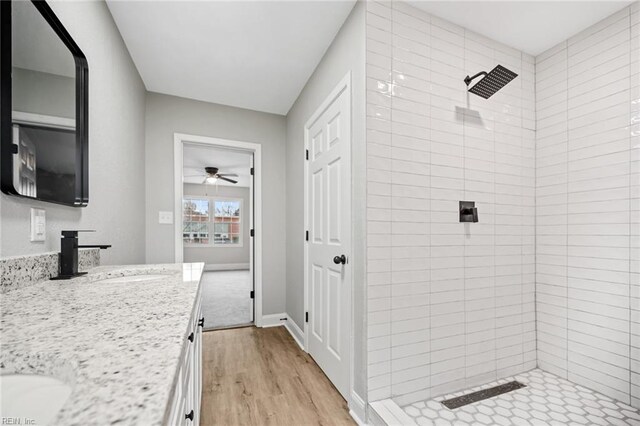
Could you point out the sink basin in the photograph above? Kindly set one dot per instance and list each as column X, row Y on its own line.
column 133, row 278
column 33, row 397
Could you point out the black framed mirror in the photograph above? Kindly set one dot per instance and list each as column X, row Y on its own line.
column 44, row 139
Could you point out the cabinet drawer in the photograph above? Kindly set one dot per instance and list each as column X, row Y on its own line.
column 185, row 406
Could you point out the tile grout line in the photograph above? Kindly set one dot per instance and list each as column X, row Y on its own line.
column 630, row 25
column 567, row 215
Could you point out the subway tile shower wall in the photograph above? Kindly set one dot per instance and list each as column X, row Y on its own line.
column 450, row 305
column 587, row 214
column 634, row 198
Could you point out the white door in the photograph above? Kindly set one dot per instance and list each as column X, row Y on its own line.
column 251, row 244
column 328, row 191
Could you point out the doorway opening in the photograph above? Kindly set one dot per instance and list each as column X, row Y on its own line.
column 217, row 218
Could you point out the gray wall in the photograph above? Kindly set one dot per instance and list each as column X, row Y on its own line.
column 43, row 93
column 167, row 115
column 346, row 53
column 116, row 150
column 221, row 255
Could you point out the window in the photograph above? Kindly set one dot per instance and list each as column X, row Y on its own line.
column 226, row 222
column 195, row 221
column 212, row 222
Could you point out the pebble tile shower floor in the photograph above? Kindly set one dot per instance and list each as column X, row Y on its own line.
column 547, row 400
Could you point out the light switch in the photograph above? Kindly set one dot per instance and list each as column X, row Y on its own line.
column 38, row 224
column 165, row 218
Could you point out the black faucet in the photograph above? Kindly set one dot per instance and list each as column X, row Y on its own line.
column 68, row 258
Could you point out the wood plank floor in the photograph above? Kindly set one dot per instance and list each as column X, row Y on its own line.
column 259, row 376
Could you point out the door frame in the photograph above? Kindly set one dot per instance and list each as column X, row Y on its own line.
column 179, row 140
column 343, row 86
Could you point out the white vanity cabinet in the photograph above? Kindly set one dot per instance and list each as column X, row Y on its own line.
column 185, row 405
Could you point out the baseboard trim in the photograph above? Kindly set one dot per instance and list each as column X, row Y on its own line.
column 273, row 320
column 295, row 331
column 357, row 409
column 226, row 267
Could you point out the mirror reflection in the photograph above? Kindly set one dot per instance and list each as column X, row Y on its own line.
column 43, row 108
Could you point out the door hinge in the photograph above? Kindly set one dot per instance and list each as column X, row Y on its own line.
column 252, row 171
column 306, row 317
column 307, row 154
column 306, row 235
column 251, row 233
column 252, row 294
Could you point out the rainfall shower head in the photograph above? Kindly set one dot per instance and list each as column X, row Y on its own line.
column 495, row 80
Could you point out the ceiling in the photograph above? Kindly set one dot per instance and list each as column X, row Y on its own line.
column 249, row 54
column 197, row 157
column 259, row 54
column 530, row 26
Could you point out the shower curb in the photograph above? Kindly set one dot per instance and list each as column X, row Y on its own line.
column 389, row 413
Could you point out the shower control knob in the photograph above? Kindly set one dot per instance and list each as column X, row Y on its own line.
column 340, row 259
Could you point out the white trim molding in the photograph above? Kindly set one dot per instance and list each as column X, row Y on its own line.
column 273, row 320
column 295, row 331
column 358, row 409
column 179, row 139
column 225, row 267
column 21, row 117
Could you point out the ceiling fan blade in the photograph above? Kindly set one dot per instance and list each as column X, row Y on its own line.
column 228, row 174
column 228, row 180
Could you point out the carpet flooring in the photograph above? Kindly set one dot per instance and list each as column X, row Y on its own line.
column 225, row 299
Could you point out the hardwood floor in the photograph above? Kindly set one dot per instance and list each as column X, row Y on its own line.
column 259, row 376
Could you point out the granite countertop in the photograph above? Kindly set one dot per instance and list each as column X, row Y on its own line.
column 118, row 344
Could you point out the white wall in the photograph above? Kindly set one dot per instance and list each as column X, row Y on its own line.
column 116, row 150
column 222, row 255
column 584, row 196
column 451, row 305
column 345, row 54
column 166, row 115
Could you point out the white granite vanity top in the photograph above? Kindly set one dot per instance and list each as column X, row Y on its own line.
column 117, row 344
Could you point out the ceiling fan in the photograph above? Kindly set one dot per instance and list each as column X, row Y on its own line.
column 212, row 176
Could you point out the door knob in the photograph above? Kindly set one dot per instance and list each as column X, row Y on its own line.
column 340, row 259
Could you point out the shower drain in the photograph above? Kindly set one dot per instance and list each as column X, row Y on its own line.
column 472, row 397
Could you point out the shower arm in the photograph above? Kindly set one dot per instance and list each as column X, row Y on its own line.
column 468, row 79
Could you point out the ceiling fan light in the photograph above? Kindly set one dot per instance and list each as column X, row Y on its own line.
column 211, row 180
